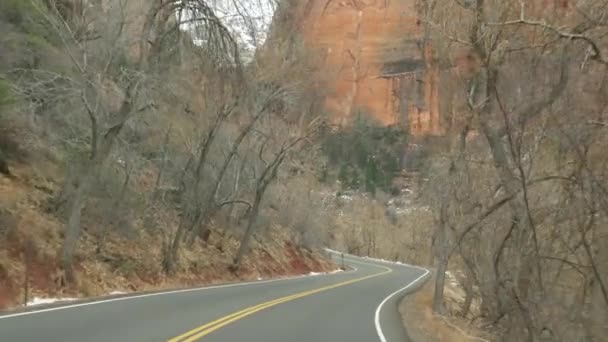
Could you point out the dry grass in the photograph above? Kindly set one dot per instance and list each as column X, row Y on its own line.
column 124, row 264
column 363, row 227
column 423, row 325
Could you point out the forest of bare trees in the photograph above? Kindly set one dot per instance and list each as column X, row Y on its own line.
column 155, row 118
column 519, row 192
column 149, row 121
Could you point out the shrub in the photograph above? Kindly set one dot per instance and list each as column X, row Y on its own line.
column 6, row 97
column 365, row 156
column 16, row 11
column 26, row 16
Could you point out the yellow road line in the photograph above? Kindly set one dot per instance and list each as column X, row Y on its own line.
column 204, row 330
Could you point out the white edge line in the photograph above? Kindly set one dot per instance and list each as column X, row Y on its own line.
column 103, row 301
column 377, row 314
column 379, row 308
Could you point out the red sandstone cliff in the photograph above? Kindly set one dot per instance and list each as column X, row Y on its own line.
column 373, row 56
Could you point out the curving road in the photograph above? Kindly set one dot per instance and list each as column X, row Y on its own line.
column 354, row 306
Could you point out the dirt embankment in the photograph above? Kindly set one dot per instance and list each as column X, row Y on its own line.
column 424, row 326
column 30, row 238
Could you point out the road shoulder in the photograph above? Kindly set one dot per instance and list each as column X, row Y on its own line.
column 423, row 326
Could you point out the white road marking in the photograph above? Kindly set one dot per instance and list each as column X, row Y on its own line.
column 354, row 269
column 377, row 315
column 102, row 301
column 379, row 308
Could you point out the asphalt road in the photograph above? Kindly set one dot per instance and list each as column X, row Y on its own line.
column 354, row 306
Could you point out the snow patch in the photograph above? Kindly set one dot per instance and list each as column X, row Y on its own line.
column 372, row 259
column 384, row 261
column 325, row 273
column 42, row 301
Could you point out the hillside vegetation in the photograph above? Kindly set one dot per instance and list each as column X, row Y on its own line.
column 133, row 158
column 519, row 190
column 139, row 149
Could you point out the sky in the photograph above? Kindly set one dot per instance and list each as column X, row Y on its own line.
column 247, row 20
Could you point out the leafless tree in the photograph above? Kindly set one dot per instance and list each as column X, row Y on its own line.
column 129, row 84
column 520, row 74
column 268, row 174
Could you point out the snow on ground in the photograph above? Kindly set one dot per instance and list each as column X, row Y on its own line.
column 372, row 259
column 325, row 273
column 113, row 293
column 41, row 301
column 385, row 261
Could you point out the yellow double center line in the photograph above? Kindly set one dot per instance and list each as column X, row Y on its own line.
column 204, row 330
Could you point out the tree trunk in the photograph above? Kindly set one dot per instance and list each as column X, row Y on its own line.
column 269, row 174
column 441, row 250
column 468, row 299
column 442, row 267
column 86, row 179
column 102, row 237
column 201, row 225
column 147, row 217
column 470, row 280
column 243, row 248
column 172, row 250
column 72, row 232
column 210, row 200
column 235, row 190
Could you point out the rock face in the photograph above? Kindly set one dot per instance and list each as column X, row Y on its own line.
column 375, row 61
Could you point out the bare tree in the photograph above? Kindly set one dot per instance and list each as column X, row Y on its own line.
column 503, row 210
column 107, row 122
column 268, row 175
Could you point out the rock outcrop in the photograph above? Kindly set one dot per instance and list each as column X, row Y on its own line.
column 375, row 60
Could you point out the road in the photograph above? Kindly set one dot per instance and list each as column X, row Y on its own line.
column 354, row 306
